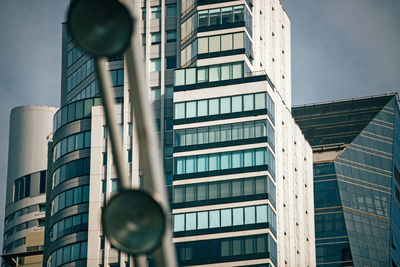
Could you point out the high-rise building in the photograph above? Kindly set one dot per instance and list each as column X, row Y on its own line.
column 237, row 168
column 30, row 127
column 356, row 179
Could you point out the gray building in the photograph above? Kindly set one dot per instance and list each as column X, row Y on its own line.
column 30, row 130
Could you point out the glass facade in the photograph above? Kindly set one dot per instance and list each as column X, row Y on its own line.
column 356, row 208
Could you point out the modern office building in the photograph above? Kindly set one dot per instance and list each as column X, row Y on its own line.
column 237, row 167
column 30, row 128
column 356, row 179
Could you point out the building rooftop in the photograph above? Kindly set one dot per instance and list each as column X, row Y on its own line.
column 335, row 124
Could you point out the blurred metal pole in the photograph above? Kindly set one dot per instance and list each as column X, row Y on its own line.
column 149, row 151
column 107, row 94
column 116, row 143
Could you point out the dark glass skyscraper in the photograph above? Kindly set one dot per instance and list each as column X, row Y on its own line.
column 356, row 146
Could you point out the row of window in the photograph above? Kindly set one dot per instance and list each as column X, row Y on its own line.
column 212, row 73
column 71, row 143
column 224, row 218
column 22, row 187
column 15, row 244
column 22, row 226
column 187, row 5
column 215, row 17
column 90, row 91
column 221, row 249
column 225, row 161
column 69, row 225
column 156, row 12
column 70, row 170
column 224, row 189
column 156, row 37
column 80, row 74
column 189, row 52
column 74, row 111
column 70, row 197
column 24, row 211
column 67, row 254
column 224, row 133
column 222, row 105
column 156, row 93
column 73, row 55
column 225, row 42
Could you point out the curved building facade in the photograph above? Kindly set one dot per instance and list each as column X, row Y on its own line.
column 30, row 129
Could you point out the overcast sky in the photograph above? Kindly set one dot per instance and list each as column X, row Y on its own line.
column 340, row 49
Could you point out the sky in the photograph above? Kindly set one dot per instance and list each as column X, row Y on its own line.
column 340, row 49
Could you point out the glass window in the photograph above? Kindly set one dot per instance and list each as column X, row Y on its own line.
column 238, row 216
column 190, row 165
column 225, row 133
column 236, row 188
column 227, row 15
column 225, row 251
column 155, row 93
column 226, row 41
column 248, row 102
column 155, row 38
column 226, row 217
column 238, row 14
column 226, row 72
column 171, row 11
column 79, row 141
column 190, row 223
column 237, row 159
column 237, row 131
column 202, row 163
column 201, row 192
column 260, row 186
column 215, row 16
column 191, row 111
column 261, row 244
column 260, row 101
column 225, row 189
column 155, row 64
column 238, row 40
column 179, row 110
column 261, row 212
column 214, row 43
column 237, row 70
column 179, row 222
column 249, row 215
column 237, row 247
column 260, row 157
column 248, row 158
column 180, row 77
column 248, row 130
column 248, row 187
column 237, row 104
column 190, row 193
column 249, row 246
column 213, row 134
column 178, row 195
column 213, row 191
column 213, row 162
column 156, row 12
column 191, row 76
column 171, row 63
column 202, row 75
column 202, row 220
column 214, row 218
column 203, row 18
column 213, row 106
column 225, row 161
column 225, row 105
column 171, row 36
column 214, row 74
column 203, row 45
column 202, row 136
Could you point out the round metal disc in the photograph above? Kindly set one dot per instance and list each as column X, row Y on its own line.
column 134, row 222
column 100, row 27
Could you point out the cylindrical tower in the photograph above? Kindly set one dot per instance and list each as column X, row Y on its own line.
column 30, row 128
